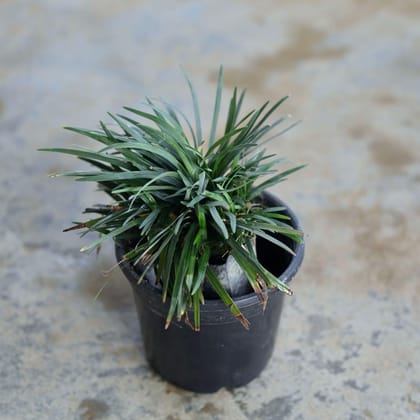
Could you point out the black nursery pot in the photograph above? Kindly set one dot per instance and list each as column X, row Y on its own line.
column 223, row 353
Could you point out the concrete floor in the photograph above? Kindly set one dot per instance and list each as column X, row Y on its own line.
column 349, row 341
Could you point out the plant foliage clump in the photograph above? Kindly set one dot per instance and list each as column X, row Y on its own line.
column 180, row 200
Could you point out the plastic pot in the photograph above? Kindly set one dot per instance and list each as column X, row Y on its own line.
column 223, row 353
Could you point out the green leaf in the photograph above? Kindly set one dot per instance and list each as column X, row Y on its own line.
column 222, row 143
column 218, row 200
column 86, row 154
column 252, row 264
column 199, row 135
column 182, row 265
column 231, row 112
column 270, row 111
column 149, row 220
column 216, row 106
column 156, row 253
column 201, row 269
column 162, row 124
column 232, row 220
column 273, row 181
column 219, row 222
column 167, row 270
column 129, row 129
column 142, row 146
column 94, row 134
column 251, row 268
column 125, row 176
column 225, row 297
column 265, row 235
column 196, row 304
column 280, row 133
column 110, row 235
column 172, row 111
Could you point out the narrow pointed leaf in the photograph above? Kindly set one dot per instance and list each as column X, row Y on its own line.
column 226, row 298
column 216, row 106
column 199, row 136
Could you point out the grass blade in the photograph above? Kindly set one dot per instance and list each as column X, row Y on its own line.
column 216, row 106
column 199, row 136
column 225, row 297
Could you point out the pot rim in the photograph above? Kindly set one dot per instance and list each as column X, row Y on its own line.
column 243, row 301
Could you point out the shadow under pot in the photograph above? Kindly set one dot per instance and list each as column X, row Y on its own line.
column 223, row 353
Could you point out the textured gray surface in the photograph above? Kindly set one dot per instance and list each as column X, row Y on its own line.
column 350, row 337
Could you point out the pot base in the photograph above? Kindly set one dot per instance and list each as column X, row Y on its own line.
column 222, row 354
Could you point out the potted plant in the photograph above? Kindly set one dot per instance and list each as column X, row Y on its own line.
column 208, row 252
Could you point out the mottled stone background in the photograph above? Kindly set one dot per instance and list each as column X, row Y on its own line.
column 349, row 343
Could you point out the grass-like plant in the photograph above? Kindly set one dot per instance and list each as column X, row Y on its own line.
column 181, row 201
